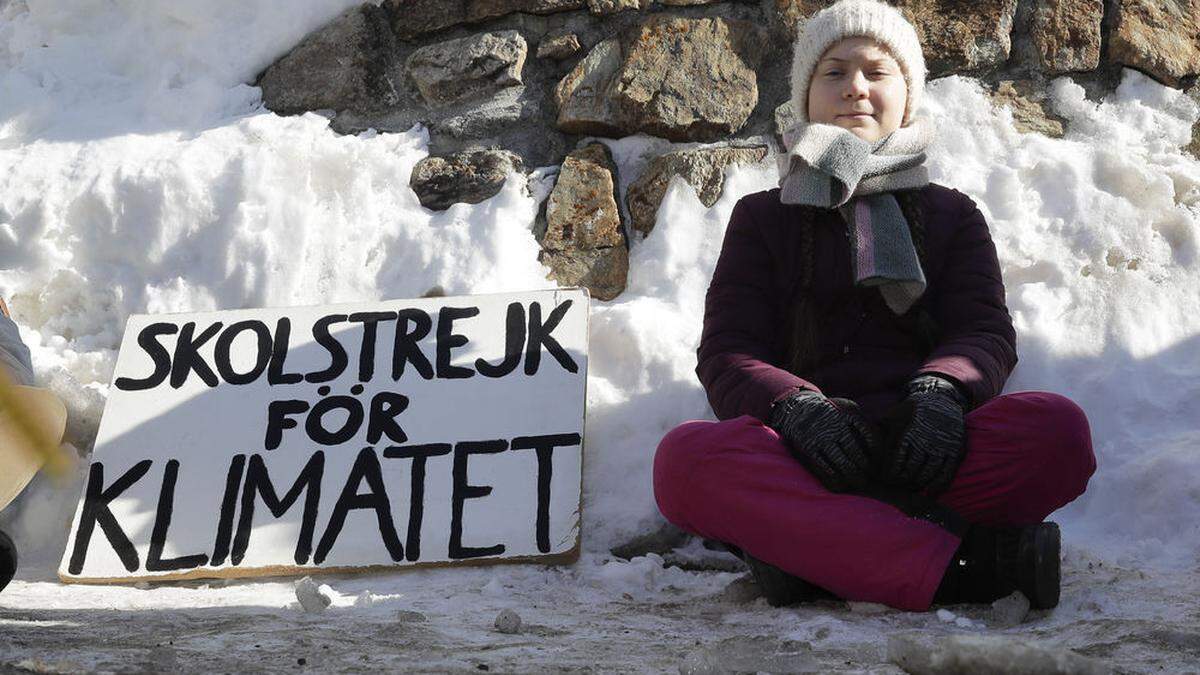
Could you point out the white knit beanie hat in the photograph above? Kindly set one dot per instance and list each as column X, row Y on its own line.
column 850, row 18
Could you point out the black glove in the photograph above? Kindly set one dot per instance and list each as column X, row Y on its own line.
column 8, row 560
column 832, row 443
column 925, row 436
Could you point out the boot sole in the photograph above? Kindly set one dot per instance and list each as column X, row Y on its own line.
column 1041, row 556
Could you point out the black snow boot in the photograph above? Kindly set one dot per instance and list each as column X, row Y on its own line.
column 992, row 562
column 8, row 560
column 778, row 587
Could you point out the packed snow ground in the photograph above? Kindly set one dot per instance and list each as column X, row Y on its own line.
column 139, row 173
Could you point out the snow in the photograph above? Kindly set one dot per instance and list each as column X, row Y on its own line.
column 140, row 173
column 986, row 654
column 311, row 596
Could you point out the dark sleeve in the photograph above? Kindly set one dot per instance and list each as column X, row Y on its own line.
column 978, row 345
column 734, row 358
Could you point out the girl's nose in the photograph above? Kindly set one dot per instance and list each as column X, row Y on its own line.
column 856, row 86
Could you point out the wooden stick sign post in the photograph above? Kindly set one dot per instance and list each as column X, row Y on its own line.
column 256, row 442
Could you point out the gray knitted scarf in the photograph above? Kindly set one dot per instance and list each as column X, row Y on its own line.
column 828, row 166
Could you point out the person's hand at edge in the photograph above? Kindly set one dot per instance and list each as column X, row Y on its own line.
column 832, row 443
column 925, row 435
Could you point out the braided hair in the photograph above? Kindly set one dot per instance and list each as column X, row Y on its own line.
column 802, row 338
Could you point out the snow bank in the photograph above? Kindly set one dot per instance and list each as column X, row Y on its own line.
column 1097, row 234
column 139, row 173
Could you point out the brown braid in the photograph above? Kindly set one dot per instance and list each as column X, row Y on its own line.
column 806, row 245
column 802, row 341
column 802, row 345
column 911, row 208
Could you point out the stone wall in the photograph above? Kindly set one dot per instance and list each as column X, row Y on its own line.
column 507, row 85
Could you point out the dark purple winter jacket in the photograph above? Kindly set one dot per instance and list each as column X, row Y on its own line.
column 866, row 352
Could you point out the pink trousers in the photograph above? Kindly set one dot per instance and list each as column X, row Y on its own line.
column 1028, row 453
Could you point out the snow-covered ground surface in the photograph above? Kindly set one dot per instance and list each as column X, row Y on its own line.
column 139, row 173
column 596, row 616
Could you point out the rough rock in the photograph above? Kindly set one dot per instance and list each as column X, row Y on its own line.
column 605, row 7
column 559, row 47
column 519, row 119
column 472, row 67
column 310, row 596
column 349, row 63
column 602, row 271
column 1028, row 105
column 482, row 10
column 584, row 96
column 581, row 211
column 584, row 242
column 469, row 177
column 969, row 37
column 1067, row 34
column 1158, row 37
column 690, row 79
column 678, row 78
column 508, row 621
column 412, row 18
column 703, row 169
column 986, row 654
column 785, row 15
column 1009, row 611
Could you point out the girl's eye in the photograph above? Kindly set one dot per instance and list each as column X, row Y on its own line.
column 833, row 72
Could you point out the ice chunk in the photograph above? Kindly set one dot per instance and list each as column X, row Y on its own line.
column 311, row 597
column 508, row 621
column 868, row 608
column 1010, row 611
column 985, row 654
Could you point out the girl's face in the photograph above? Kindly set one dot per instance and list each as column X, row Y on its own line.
column 857, row 85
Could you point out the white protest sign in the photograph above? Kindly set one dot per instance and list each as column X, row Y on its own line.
column 399, row 433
